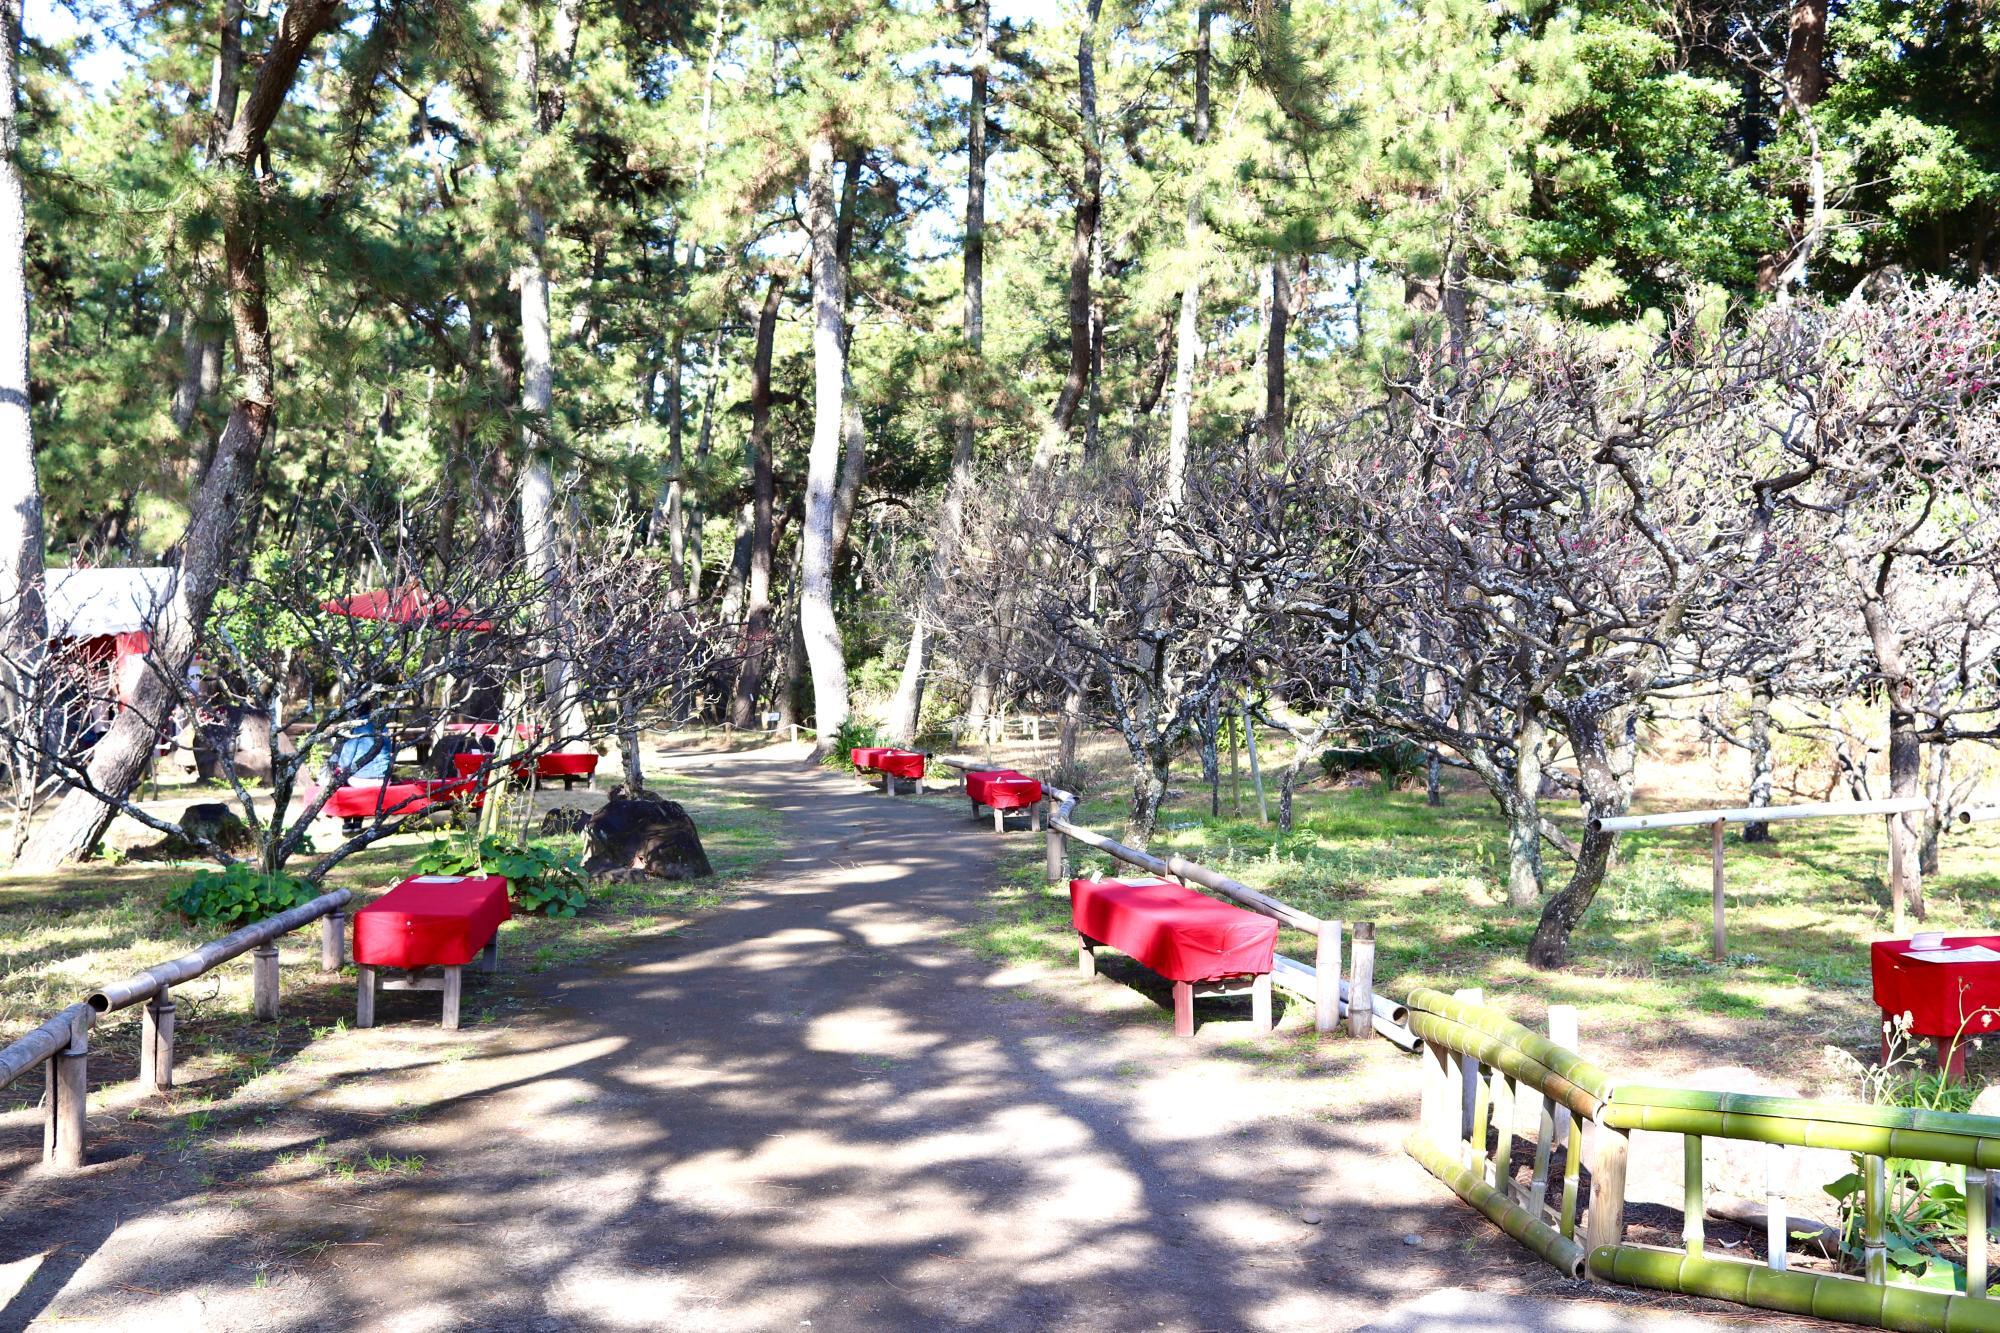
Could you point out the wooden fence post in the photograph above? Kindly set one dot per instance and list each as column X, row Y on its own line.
column 264, row 981
column 1895, row 873
column 1058, row 858
column 1326, row 970
column 1609, row 1149
column 68, row 1084
column 156, row 1041
column 1718, row 888
column 332, row 941
column 1361, row 982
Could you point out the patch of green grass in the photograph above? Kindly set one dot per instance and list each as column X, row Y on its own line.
column 1802, row 910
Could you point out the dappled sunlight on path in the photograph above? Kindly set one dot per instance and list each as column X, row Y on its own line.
column 807, row 1108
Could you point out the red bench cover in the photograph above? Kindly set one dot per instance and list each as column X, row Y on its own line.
column 1178, row 933
column 367, row 799
column 579, row 765
column 864, row 756
column 431, row 920
column 1003, row 789
column 900, row 763
column 1942, row 999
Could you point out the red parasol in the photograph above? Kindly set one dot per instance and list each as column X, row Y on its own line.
column 408, row 605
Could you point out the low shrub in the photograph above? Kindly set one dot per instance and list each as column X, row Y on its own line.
column 237, row 895
column 539, row 878
column 850, row 736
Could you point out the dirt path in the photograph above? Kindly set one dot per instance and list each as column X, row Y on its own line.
column 809, row 1109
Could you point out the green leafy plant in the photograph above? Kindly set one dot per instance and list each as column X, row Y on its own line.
column 539, row 878
column 850, row 736
column 1924, row 1214
column 237, row 895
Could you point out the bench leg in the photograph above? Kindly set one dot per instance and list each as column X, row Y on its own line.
column 999, row 820
column 1260, row 1003
column 350, row 825
column 364, row 996
column 1183, row 1008
column 454, row 981
column 1086, row 957
column 1035, row 817
column 489, row 957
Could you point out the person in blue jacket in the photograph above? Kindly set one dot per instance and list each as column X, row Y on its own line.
column 366, row 753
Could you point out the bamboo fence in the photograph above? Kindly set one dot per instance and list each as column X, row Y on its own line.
column 61, row 1046
column 1483, row 1073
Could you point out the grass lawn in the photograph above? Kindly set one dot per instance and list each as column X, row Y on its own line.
column 1802, row 911
column 63, row 935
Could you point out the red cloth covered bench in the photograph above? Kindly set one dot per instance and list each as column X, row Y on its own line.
column 357, row 801
column 1192, row 940
column 569, row 767
column 428, row 921
column 1003, row 789
column 891, row 763
column 1943, row 999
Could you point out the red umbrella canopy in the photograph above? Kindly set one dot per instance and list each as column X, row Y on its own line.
column 408, row 605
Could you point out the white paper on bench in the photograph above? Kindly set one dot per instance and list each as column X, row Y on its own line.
column 460, row 879
column 1971, row 953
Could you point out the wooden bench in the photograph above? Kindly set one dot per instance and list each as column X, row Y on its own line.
column 569, row 767
column 1202, row 946
column 1001, row 790
column 428, row 928
column 361, row 801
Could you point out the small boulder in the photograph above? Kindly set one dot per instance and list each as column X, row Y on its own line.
column 206, row 819
column 637, row 833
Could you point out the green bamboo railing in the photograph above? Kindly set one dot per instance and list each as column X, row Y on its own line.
column 1481, row 1069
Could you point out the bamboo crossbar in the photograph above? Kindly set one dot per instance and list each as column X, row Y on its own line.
column 1820, row 1295
column 1827, row 1127
column 144, row 985
column 1978, row 814
column 1561, row 1063
column 1302, row 980
column 1174, row 867
column 1760, row 814
column 1501, row 1210
column 50, row 1039
column 1499, row 1053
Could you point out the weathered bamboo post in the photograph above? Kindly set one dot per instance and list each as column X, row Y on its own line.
column 1694, row 1195
column 1976, row 1239
column 264, row 981
column 156, row 1041
column 332, row 941
column 1874, row 1216
column 1609, row 1150
column 1715, row 856
column 67, row 1085
column 1777, row 1213
column 1361, row 982
column 1058, row 857
column 1500, row 1093
column 1554, row 1127
column 1235, row 769
column 1895, row 872
column 1326, row 978
column 1465, row 1076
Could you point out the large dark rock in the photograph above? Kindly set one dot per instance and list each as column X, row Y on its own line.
column 638, row 833
column 208, row 819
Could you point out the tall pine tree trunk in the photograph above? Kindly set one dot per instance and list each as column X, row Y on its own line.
column 1276, row 330
column 201, row 345
column 1083, row 241
column 816, row 618
column 906, row 706
column 207, row 547
column 23, row 624
column 1187, row 348
column 538, row 509
column 757, row 612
